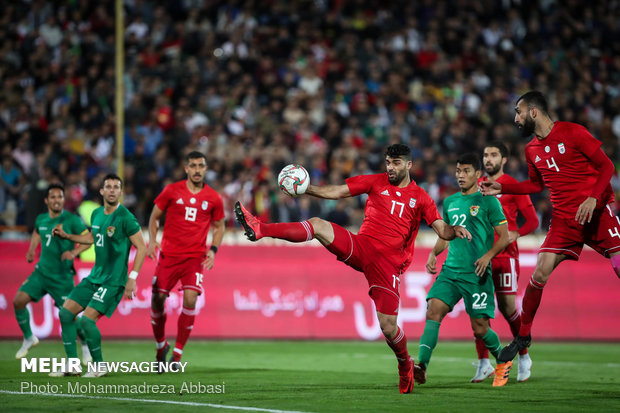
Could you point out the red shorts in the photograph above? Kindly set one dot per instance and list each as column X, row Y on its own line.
column 360, row 252
column 171, row 269
column 505, row 275
column 567, row 236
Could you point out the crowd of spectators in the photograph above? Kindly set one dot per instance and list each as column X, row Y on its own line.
column 257, row 85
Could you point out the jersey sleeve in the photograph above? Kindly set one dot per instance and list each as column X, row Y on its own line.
column 163, row 199
column 496, row 214
column 361, row 184
column 218, row 208
column 584, row 141
column 525, row 206
column 131, row 224
column 429, row 211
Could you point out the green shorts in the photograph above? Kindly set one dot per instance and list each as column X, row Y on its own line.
column 479, row 298
column 58, row 287
column 103, row 298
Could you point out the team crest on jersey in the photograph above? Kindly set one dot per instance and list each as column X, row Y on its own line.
column 205, row 205
column 412, row 202
column 110, row 231
column 561, row 148
column 473, row 210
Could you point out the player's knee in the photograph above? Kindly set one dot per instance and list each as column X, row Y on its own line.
column 158, row 300
column 20, row 301
column 388, row 327
column 480, row 327
column 434, row 314
column 65, row 316
column 320, row 226
column 540, row 276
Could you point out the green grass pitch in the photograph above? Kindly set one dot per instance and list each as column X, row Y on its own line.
column 327, row 376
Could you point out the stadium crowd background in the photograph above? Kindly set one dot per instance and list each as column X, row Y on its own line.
column 259, row 84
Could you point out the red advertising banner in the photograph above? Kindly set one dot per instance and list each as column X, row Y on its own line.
column 304, row 292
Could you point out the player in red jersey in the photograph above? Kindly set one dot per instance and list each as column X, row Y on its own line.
column 383, row 247
column 568, row 160
column 191, row 207
column 505, row 265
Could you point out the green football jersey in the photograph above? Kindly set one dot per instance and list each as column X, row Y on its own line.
column 478, row 214
column 111, row 235
column 52, row 248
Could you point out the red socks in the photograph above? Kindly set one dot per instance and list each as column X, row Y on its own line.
column 481, row 349
column 290, row 231
column 399, row 346
column 185, row 326
column 158, row 322
column 531, row 301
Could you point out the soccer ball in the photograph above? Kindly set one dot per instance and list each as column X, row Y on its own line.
column 293, row 180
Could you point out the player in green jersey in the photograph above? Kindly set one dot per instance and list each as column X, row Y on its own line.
column 114, row 230
column 466, row 272
column 54, row 272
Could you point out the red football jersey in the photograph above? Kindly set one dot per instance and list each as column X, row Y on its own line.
column 562, row 162
column 188, row 218
column 511, row 205
column 393, row 214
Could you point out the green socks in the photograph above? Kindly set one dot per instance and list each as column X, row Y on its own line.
column 23, row 319
column 69, row 332
column 491, row 341
column 93, row 338
column 80, row 330
column 428, row 341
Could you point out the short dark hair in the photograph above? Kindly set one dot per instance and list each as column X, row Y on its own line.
column 470, row 158
column 503, row 149
column 536, row 99
column 111, row 176
column 195, row 155
column 398, row 150
column 54, row 186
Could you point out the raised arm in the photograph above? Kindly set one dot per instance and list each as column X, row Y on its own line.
column 83, row 238
column 153, row 227
column 531, row 186
column 449, row 232
column 75, row 252
column 329, row 191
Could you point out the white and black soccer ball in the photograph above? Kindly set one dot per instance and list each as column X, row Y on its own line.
column 293, row 180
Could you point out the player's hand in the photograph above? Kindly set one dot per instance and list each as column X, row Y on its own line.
column 30, row 256
column 512, row 236
column 431, row 263
column 462, row 232
column 151, row 251
column 67, row 256
column 490, row 188
column 584, row 213
column 130, row 289
column 59, row 232
column 481, row 265
column 210, row 260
